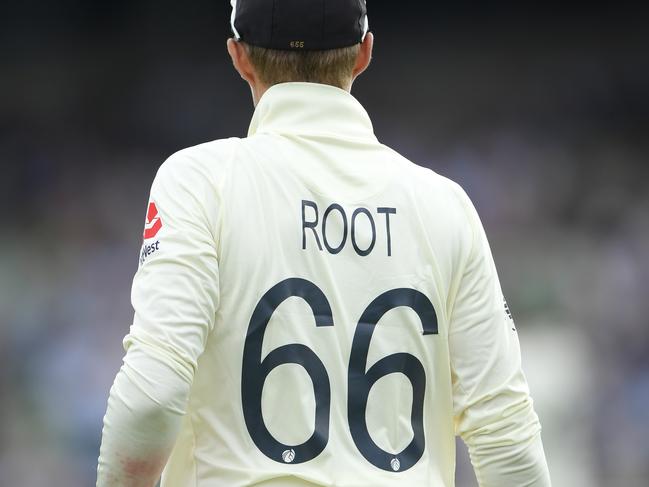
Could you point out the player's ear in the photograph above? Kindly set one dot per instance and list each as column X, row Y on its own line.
column 364, row 55
column 241, row 61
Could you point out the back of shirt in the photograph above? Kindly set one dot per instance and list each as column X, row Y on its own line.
column 344, row 319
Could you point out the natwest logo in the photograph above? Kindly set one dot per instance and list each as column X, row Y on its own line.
column 153, row 222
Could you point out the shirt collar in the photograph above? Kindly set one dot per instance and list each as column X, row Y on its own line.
column 311, row 109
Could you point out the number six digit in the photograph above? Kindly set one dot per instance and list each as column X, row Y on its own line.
column 255, row 371
column 361, row 382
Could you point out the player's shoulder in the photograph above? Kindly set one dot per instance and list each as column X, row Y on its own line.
column 210, row 157
column 427, row 182
column 437, row 198
column 201, row 166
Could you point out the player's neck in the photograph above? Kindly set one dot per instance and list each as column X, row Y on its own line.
column 258, row 90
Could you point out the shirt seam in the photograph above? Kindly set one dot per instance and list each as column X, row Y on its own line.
column 463, row 268
column 472, row 252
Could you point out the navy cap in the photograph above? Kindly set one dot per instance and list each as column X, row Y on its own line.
column 300, row 24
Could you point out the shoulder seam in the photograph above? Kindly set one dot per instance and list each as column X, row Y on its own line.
column 467, row 213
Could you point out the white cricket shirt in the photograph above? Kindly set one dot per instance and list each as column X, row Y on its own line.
column 334, row 306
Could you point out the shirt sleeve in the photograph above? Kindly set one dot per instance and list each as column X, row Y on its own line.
column 175, row 295
column 175, row 291
column 493, row 409
column 145, row 409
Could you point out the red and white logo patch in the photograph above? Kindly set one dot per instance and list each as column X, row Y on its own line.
column 153, row 222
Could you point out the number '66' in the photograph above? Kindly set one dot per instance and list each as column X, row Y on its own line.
column 255, row 371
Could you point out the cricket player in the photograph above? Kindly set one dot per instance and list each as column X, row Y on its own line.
column 311, row 308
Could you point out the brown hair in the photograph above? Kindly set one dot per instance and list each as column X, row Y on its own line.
column 330, row 67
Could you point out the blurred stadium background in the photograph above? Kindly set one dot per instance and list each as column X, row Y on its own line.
column 541, row 113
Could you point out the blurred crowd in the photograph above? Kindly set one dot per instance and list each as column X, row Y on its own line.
column 544, row 122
